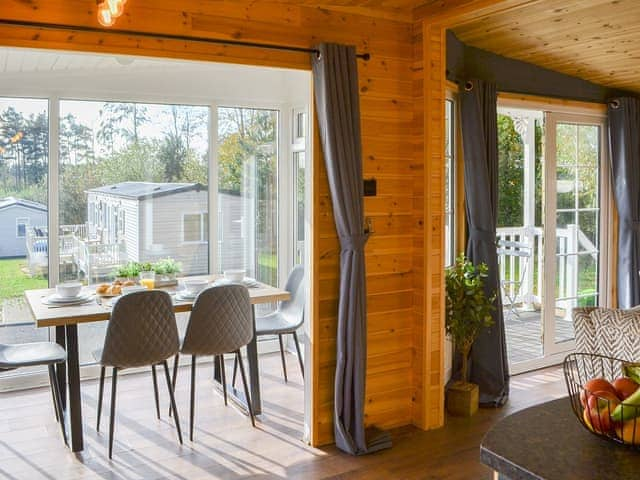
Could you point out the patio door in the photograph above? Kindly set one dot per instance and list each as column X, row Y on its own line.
column 576, row 224
column 552, row 229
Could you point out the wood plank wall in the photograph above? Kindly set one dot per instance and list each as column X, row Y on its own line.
column 404, row 325
column 428, row 260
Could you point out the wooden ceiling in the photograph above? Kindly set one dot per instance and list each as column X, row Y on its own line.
column 596, row 40
column 392, row 9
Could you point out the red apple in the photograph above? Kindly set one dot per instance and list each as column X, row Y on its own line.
column 603, row 400
column 624, row 387
column 595, row 385
column 598, row 421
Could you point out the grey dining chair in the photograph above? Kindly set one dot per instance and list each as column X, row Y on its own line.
column 288, row 317
column 38, row 354
column 221, row 321
column 142, row 332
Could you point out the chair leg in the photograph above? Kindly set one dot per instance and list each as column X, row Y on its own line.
column 295, row 339
column 173, row 400
column 112, row 416
column 155, row 390
column 193, row 396
column 246, row 388
column 235, row 371
column 57, row 402
column 53, row 397
column 223, row 377
column 100, row 392
column 284, row 363
column 176, row 361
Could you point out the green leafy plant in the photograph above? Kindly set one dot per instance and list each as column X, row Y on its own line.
column 167, row 266
column 468, row 308
column 129, row 270
column 145, row 267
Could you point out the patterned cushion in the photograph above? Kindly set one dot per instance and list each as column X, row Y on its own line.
column 608, row 331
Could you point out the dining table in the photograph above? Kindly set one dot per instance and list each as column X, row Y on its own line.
column 66, row 318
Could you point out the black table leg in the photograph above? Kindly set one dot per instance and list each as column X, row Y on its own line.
column 75, row 399
column 61, row 368
column 254, row 376
column 254, row 371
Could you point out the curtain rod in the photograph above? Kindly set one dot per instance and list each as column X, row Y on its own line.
column 166, row 36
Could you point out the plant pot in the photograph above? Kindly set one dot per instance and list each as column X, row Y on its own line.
column 166, row 279
column 462, row 399
column 126, row 279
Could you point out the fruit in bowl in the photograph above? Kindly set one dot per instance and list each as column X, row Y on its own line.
column 597, row 413
column 624, row 387
column 595, row 385
column 629, row 432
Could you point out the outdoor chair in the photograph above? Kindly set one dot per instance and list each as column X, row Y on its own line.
column 38, row 354
column 142, row 332
column 518, row 255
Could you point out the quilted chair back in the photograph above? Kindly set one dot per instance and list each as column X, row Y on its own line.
column 293, row 309
column 142, row 330
column 221, row 321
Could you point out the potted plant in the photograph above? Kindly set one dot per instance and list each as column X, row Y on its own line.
column 166, row 270
column 468, row 311
column 129, row 271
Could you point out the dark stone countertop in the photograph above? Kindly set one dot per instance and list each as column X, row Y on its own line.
column 547, row 442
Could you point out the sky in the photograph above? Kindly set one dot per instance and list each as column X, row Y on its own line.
column 88, row 114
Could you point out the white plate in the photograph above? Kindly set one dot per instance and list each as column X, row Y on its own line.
column 247, row 282
column 81, row 299
column 55, row 298
column 185, row 297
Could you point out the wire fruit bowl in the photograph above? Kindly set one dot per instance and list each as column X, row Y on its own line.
column 601, row 412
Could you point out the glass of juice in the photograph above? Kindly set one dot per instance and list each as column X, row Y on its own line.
column 148, row 279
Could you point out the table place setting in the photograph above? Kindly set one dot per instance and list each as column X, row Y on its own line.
column 67, row 295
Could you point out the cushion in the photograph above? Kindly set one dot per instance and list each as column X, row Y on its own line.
column 616, row 333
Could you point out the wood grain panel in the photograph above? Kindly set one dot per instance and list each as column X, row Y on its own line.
column 591, row 39
column 398, row 109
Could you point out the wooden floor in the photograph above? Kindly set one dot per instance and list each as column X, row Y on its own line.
column 226, row 446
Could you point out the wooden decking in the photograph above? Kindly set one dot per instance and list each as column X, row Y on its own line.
column 226, row 446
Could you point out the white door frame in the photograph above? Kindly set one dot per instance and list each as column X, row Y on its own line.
column 554, row 353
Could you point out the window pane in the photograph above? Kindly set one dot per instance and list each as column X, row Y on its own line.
column 191, row 228
column 24, row 161
column 133, row 188
column 248, row 192
column 299, row 168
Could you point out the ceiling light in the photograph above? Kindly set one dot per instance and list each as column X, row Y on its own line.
column 109, row 10
column 104, row 16
column 115, row 7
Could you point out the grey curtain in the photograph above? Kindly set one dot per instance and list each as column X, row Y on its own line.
column 335, row 76
column 624, row 144
column 479, row 125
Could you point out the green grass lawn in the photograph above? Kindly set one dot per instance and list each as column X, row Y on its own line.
column 13, row 281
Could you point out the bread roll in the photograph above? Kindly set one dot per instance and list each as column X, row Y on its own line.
column 102, row 289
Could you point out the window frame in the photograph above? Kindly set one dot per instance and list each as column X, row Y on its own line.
column 26, row 225
column 201, row 227
column 451, row 180
column 54, row 100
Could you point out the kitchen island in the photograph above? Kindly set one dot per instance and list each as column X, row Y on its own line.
column 547, row 442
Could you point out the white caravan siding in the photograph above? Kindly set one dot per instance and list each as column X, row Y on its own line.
column 10, row 244
column 161, row 230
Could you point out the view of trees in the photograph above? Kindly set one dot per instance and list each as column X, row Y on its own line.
column 24, row 150
column 119, row 148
